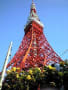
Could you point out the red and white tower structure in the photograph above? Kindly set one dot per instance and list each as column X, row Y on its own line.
column 34, row 51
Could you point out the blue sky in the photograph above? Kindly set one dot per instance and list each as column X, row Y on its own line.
column 13, row 17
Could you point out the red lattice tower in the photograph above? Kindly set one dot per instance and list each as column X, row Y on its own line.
column 34, row 50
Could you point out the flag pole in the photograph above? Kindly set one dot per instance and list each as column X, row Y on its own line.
column 4, row 66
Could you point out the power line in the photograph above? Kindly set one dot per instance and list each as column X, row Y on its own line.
column 64, row 52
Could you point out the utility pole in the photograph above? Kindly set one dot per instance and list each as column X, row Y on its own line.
column 4, row 66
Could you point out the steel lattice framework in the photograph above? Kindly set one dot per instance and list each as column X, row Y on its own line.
column 34, row 51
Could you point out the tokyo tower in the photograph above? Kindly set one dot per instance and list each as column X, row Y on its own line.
column 34, row 51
